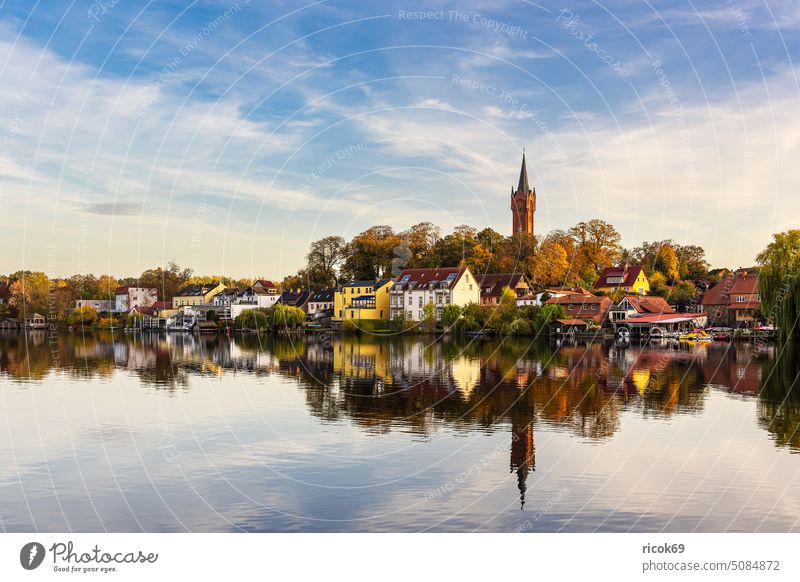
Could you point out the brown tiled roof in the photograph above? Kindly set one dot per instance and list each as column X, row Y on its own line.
column 493, row 285
column 629, row 273
column 649, row 304
column 572, row 321
column 576, row 298
column 721, row 293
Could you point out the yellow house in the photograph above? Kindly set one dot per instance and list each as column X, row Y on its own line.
column 629, row 279
column 199, row 294
column 362, row 300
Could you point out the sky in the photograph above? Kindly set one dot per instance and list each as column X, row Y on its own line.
column 229, row 135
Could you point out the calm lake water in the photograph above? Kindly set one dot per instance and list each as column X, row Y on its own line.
column 164, row 433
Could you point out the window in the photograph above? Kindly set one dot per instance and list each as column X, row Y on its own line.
column 740, row 299
column 420, row 300
column 594, row 306
column 614, row 280
column 569, row 307
column 409, row 315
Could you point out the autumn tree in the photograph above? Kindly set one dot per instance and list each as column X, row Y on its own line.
column 597, row 247
column 369, row 255
column 420, row 240
column 549, row 267
column 30, row 293
column 323, row 260
column 168, row 281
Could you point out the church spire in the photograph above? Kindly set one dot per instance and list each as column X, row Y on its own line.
column 523, row 177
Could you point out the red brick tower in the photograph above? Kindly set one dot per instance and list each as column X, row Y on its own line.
column 523, row 203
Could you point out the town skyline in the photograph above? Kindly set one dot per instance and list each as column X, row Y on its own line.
column 233, row 136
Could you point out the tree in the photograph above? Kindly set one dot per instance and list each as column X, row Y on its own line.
column 450, row 314
column 429, row 315
column 30, row 293
column 692, row 262
column 420, row 240
column 369, row 255
column 658, row 285
column 779, row 282
column 549, row 267
column 83, row 316
column 455, row 248
column 323, row 261
column 547, row 315
column 683, row 295
column 597, row 246
column 168, row 281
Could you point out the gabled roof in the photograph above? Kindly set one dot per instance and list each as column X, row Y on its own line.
column 664, row 318
column 577, row 289
column 721, row 293
column 492, row 285
column 197, row 289
column 159, row 305
column 416, row 278
column 323, row 295
column 295, row 299
column 629, row 274
column 266, row 283
column 363, row 283
column 576, row 298
column 648, row 304
column 571, row 322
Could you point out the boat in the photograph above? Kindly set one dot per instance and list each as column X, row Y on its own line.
column 698, row 335
column 722, row 337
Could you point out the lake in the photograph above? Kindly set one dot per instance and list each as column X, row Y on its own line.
column 176, row 432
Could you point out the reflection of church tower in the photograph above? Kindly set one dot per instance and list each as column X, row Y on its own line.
column 523, row 204
column 523, row 454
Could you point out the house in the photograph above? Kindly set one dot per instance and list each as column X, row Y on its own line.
column 630, row 279
column 589, row 308
column 567, row 326
column 733, row 302
column 198, row 294
column 264, row 296
column 415, row 288
column 226, row 297
column 635, row 305
column 321, row 302
column 366, row 299
column 99, row 305
column 35, row 321
column 296, row 298
column 492, row 286
column 548, row 293
column 130, row 296
column 661, row 324
column 266, row 287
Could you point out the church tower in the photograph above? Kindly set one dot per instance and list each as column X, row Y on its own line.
column 523, row 203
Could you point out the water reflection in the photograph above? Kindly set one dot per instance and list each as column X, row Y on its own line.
column 511, row 388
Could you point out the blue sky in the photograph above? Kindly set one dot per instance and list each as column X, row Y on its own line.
column 229, row 135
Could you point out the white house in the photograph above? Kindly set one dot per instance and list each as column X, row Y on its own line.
column 128, row 297
column 321, row 301
column 415, row 288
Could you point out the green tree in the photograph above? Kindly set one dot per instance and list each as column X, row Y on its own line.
column 450, row 314
column 429, row 315
column 779, row 282
column 83, row 316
